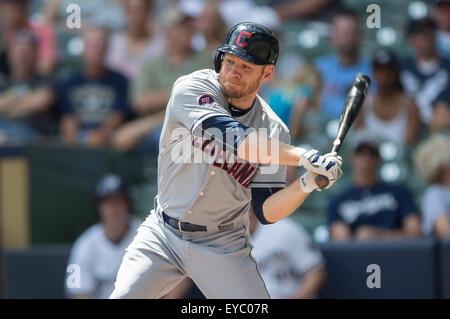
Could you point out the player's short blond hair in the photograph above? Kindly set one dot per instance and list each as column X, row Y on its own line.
column 431, row 157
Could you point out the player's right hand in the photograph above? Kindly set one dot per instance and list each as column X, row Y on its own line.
column 328, row 165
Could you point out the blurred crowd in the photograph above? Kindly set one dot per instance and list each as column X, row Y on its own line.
column 106, row 85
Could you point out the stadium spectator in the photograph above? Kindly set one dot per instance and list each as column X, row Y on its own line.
column 100, row 13
column 290, row 265
column 14, row 17
column 292, row 100
column 338, row 70
column 441, row 111
column 26, row 98
column 93, row 101
column 236, row 11
column 441, row 15
column 151, row 89
column 432, row 161
column 211, row 26
column 320, row 10
column 128, row 50
column 369, row 208
column 425, row 74
column 98, row 252
column 389, row 114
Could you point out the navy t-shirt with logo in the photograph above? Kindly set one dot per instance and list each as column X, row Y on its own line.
column 93, row 100
column 382, row 205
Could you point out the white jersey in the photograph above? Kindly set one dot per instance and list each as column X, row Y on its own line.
column 199, row 182
column 284, row 253
column 98, row 260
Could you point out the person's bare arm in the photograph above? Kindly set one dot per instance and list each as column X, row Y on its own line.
column 131, row 133
column 261, row 149
column 100, row 136
column 69, row 129
column 441, row 117
column 35, row 102
column 296, row 126
column 410, row 228
column 5, row 102
column 442, row 226
column 300, row 8
column 413, row 123
column 284, row 202
column 152, row 101
column 359, row 121
column 311, row 284
column 340, row 231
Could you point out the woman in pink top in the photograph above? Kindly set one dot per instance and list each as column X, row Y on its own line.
column 138, row 43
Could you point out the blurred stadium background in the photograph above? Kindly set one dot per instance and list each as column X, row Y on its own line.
column 47, row 199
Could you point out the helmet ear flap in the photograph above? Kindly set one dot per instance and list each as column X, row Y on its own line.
column 218, row 57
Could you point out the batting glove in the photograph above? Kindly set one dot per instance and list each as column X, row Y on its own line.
column 308, row 183
column 328, row 165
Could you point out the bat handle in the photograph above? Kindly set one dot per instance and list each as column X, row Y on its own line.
column 322, row 181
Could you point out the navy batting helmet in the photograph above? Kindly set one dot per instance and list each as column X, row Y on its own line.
column 251, row 42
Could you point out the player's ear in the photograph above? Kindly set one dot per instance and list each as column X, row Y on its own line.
column 268, row 72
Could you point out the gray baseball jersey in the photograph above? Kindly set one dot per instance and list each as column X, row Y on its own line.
column 203, row 183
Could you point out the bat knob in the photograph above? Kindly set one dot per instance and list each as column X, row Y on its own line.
column 322, row 181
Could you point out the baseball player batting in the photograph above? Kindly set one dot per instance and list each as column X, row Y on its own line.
column 223, row 152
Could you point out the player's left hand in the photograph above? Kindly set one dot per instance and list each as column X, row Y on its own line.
column 328, row 165
column 308, row 182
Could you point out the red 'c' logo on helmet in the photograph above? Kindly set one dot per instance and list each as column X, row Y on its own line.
column 242, row 39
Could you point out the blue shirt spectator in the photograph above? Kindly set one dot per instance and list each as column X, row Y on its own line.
column 425, row 84
column 91, row 100
column 337, row 79
column 382, row 205
column 441, row 111
column 370, row 208
column 425, row 74
column 441, row 15
column 339, row 69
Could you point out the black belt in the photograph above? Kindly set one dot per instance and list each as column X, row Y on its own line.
column 188, row 227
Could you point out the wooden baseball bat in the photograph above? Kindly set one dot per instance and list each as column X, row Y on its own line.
column 352, row 105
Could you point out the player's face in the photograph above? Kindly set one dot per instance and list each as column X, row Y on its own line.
column 240, row 78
